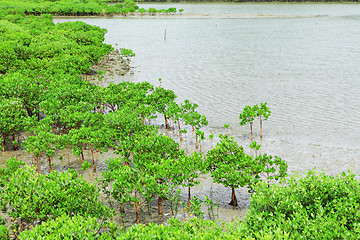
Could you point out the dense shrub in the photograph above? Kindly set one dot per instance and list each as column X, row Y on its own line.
column 4, row 233
column 30, row 196
column 65, row 227
column 313, row 206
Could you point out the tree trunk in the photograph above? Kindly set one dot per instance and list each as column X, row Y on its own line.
column 13, row 138
column 82, row 156
column 59, row 128
column 260, row 127
column 93, row 159
column 180, row 132
column 251, row 131
column 49, row 160
column 233, row 198
column 189, row 197
column 68, row 158
column 166, row 122
column 159, row 205
column 136, row 210
column 3, row 143
column 36, row 163
column 197, row 145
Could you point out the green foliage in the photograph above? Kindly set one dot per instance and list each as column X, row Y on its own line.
column 312, row 206
column 186, row 169
column 174, row 197
column 11, row 166
column 194, row 119
column 12, row 116
column 4, row 232
column 127, row 184
column 249, row 114
column 142, row 10
column 23, row 89
column 162, row 98
column 270, row 168
column 210, row 206
column 85, row 165
column 195, row 207
column 229, row 165
column 40, row 197
column 196, row 228
column 127, row 52
column 157, row 154
column 266, row 167
column 65, row 227
column 152, row 11
column 262, row 111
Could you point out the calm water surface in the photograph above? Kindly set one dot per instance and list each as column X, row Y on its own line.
column 303, row 59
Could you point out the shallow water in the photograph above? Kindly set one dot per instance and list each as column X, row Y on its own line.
column 305, row 67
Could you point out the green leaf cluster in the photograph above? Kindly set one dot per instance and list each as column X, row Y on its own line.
column 66, row 227
column 229, row 165
column 309, row 206
column 249, row 114
column 30, row 196
column 73, row 8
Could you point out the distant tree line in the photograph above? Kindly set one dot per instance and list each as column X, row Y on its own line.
column 258, row 1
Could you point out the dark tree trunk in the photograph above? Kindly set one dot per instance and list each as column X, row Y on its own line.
column 68, row 158
column 260, row 127
column 159, row 205
column 166, row 122
column 93, row 159
column 82, row 156
column 189, row 197
column 136, row 211
column 14, row 145
column 251, row 131
column 180, row 132
column 36, row 163
column 49, row 160
column 3, row 143
column 233, row 198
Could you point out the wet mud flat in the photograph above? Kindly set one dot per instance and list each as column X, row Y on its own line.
column 148, row 212
column 111, row 65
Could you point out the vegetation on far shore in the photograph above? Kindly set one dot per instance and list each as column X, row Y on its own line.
column 241, row 1
column 77, row 8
